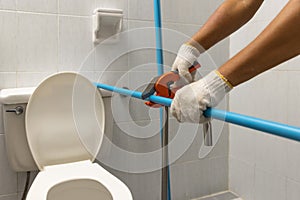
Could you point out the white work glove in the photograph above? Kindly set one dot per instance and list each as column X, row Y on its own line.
column 186, row 57
column 192, row 100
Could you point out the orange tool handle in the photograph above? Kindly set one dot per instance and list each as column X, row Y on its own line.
column 194, row 67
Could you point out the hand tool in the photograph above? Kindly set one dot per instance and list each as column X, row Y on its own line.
column 164, row 85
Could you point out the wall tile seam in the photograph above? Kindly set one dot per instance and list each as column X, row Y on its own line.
column 182, row 23
column 7, row 72
column 36, row 13
column 292, row 179
column 198, row 160
column 18, row 9
column 58, row 41
column 144, row 120
column 3, row 72
column 267, row 171
column 122, row 122
column 51, row 14
column 163, row 22
column 286, row 188
column 285, row 70
column 76, row 16
column 8, row 11
column 215, row 156
column 253, row 183
column 35, row 71
column 137, row 71
column 8, row 194
column 243, row 161
column 188, row 161
column 137, row 19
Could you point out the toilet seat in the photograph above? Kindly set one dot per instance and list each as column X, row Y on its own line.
column 64, row 124
column 54, row 175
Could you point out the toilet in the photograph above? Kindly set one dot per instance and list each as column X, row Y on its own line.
column 60, row 132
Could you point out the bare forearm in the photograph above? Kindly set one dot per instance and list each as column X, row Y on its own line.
column 279, row 42
column 229, row 17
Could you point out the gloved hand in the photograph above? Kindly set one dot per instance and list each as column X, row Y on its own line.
column 186, row 57
column 192, row 100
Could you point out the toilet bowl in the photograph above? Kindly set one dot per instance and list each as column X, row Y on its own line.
column 64, row 124
column 77, row 181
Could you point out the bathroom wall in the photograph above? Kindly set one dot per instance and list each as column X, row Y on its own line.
column 263, row 166
column 42, row 37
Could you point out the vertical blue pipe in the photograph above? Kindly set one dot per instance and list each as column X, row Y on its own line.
column 158, row 34
column 160, row 67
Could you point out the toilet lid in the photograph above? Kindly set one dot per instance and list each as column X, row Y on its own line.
column 64, row 120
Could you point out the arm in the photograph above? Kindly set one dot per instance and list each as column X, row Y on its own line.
column 228, row 18
column 279, row 42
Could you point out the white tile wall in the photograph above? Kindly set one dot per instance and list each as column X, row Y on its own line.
column 293, row 190
column 253, row 97
column 293, row 107
column 242, row 143
column 187, row 12
column 240, row 170
column 31, row 79
column 9, row 197
column 179, row 182
column 270, row 162
column 268, row 185
column 141, row 189
column 140, row 9
column 218, row 174
column 269, row 10
column 8, row 34
column 293, row 161
column 189, row 144
column 294, row 64
column 266, row 147
column 38, row 6
column 8, row 4
column 9, row 186
column 75, row 43
column 191, row 179
column 245, row 35
column 113, row 57
column 37, row 41
column 8, row 80
column 141, row 45
column 1, row 120
column 76, row 7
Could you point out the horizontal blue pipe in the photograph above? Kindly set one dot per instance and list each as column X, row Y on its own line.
column 135, row 94
column 283, row 130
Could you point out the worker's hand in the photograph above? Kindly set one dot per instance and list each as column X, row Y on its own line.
column 192, row 100
column 186, row 57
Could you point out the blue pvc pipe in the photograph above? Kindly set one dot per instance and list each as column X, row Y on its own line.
column 275, row 128
column 159, row 51
column 160, row 68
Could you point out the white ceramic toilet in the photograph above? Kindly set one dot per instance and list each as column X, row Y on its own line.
column 64, row 123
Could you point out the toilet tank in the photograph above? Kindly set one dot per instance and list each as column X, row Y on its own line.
column 19, row 154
